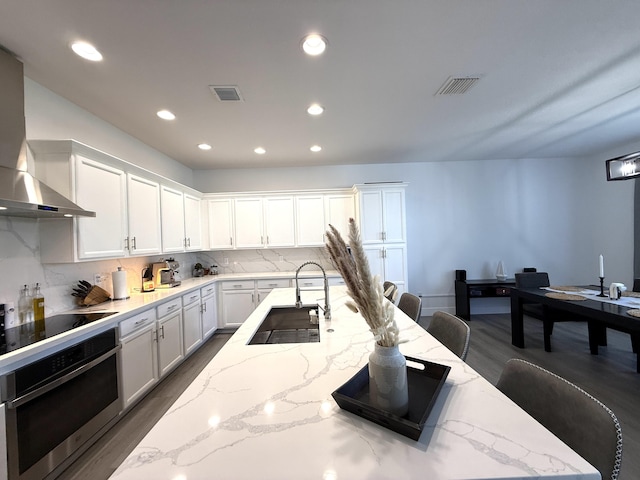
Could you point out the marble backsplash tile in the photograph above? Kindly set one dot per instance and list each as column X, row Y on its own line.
column 264, row 260
column 20, row 264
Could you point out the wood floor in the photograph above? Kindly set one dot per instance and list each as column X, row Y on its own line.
column 610, row 376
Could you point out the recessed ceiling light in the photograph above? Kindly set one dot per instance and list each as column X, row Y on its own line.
column 260, row 150
column 68, row 215
column 166, row 115
column 315, row 109
column 86, row 51
column 315, row 148
column 314, row 44
column 204, row 146
column 3, row 208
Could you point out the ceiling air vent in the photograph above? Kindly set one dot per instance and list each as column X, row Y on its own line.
column 226, row 93
column 457, row 85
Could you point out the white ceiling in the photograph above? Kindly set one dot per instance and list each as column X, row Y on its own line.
column 558, row 78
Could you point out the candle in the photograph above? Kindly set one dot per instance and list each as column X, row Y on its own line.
column 601, row 266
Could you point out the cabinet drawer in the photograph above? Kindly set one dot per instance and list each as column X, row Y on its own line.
column 137, row 322
column 169, row 307
column 238, row 285
column 191, row 297
column 208, row 290
column 310, row 282
column 274, row 283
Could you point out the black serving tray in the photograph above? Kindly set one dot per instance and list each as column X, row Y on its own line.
column 424, row 387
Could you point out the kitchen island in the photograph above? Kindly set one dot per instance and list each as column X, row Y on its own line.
column 266, row 411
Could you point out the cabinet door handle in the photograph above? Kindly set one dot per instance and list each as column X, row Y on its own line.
column 273, row 284
column 384, row 253
column 253, row 298
column 267, row 239
column 203, row 308
column 171, row 307
column 134, row 243
column 188, row 241
column 258, row 298
column 237, row 286
column 162, row 331
column 261, row 240
column 126, row 243
column 141, row 321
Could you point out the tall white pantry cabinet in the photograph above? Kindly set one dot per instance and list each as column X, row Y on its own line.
column 383, row 229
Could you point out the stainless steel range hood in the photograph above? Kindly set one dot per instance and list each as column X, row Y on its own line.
column 21, row 194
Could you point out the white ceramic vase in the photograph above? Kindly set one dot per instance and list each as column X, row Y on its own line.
column 388, row 388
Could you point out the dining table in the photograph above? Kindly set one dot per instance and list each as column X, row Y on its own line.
column 586, row 303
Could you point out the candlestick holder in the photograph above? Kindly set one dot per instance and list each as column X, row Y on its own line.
column 601, row 294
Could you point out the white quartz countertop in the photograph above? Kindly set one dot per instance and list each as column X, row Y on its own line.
column 138, row 302
column 266, row 411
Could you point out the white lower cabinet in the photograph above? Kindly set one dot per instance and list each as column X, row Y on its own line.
column 389, row 262
column 209, row 310
column 170, row 352
column 192, row 326
column 139, row 356
column 264, row 287
column 237, row 303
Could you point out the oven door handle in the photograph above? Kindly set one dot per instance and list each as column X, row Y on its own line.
column 59, row 381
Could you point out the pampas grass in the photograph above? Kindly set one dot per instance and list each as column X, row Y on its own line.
column 366, row 292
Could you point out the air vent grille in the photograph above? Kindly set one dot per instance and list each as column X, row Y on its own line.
column 226, row 93
column 457, row 85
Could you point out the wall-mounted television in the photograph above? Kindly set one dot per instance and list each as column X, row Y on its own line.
column 624, row 167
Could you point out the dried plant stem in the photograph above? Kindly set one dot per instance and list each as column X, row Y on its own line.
column 365, row 290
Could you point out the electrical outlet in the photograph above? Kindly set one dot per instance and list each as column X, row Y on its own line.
column 97, row 279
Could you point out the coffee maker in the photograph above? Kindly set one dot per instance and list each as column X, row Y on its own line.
column 164, row 274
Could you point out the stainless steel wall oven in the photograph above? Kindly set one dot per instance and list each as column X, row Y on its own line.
column 56, row 404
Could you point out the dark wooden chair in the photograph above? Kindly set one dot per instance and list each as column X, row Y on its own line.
column 578, row 419
column 537, row 310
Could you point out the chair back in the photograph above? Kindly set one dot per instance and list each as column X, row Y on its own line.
column 532, row 279
column 390, row 291
column 452, row 332
column 410, row 305
column 571, row 414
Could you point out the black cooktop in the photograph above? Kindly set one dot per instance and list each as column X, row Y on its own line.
column 24, row 335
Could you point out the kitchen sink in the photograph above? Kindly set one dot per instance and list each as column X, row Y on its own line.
column 287, row 324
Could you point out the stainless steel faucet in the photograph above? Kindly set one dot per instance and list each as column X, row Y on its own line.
column 327, row 307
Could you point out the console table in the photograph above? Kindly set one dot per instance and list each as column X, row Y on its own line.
column 468, row 289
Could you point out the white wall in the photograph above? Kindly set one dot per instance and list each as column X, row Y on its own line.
column 51, row 117
column 554, row 214
column 557, row 215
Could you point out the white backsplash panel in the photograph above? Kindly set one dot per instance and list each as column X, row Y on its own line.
column 264, row 260
column 20, row 264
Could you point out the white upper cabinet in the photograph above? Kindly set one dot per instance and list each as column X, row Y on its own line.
column 144, row 216
column 310, row 224
column 172, row 206
column 382, row 213
column 181, row 223
column 221, row 235
column 102, row 189
column 126, row 199
column 264, row 222
column 338, row 209
column 279, row 221
column 192, row 223
column 289, row 219
column 249, row 223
